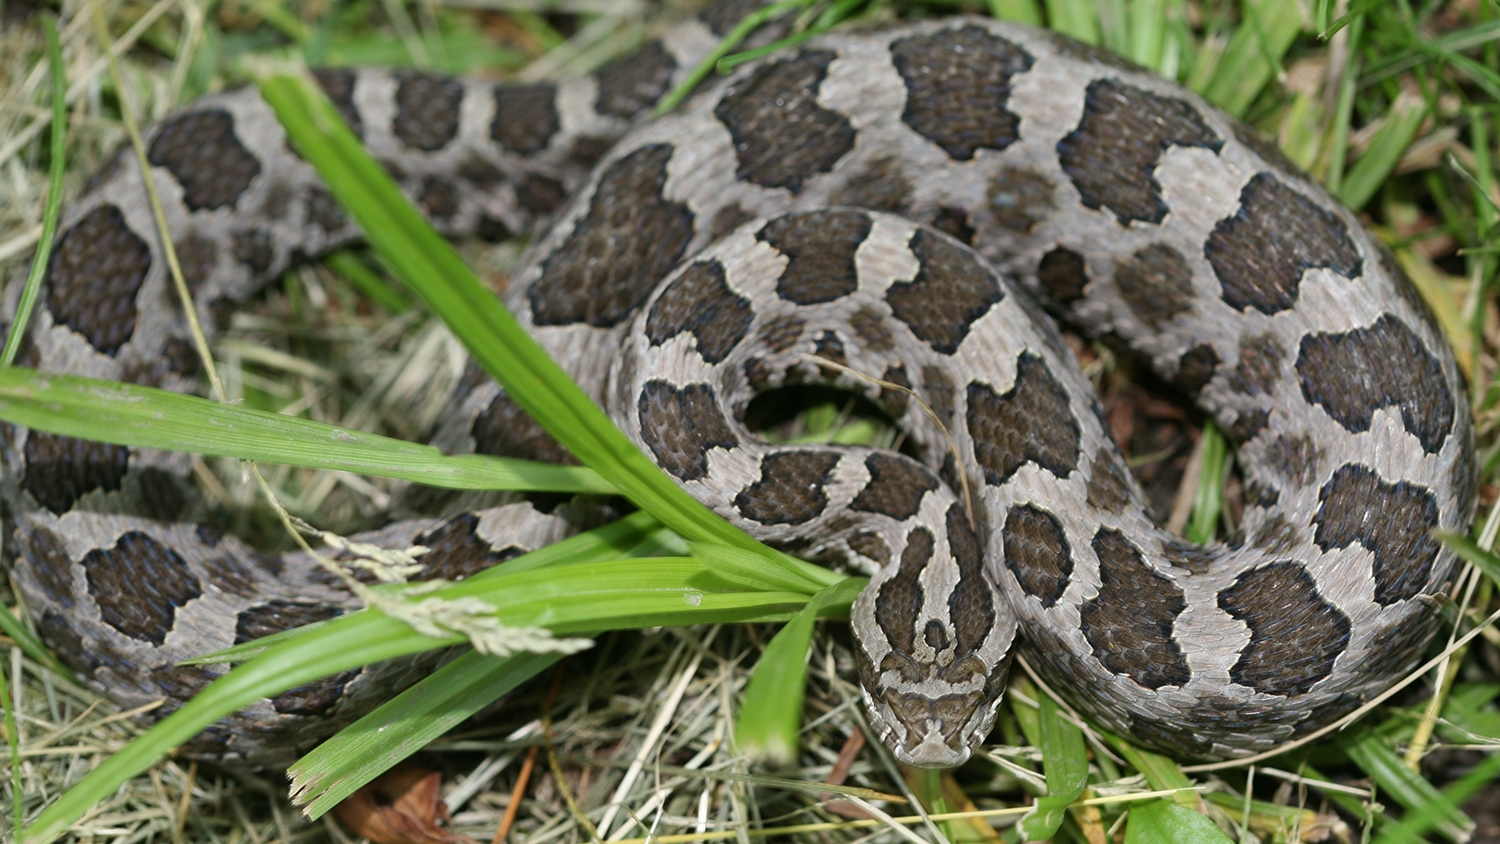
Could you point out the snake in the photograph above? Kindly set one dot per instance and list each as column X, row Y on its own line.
column 896, row 211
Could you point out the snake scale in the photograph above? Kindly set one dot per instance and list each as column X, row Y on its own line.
column 876, row 209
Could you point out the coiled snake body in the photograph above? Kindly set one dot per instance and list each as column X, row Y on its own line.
column 870, row 202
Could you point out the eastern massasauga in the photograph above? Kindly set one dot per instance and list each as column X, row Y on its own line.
column 894, row 201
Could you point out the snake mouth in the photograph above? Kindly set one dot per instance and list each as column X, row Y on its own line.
column 935, row 732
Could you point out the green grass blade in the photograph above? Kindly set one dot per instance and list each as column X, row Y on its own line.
column 1208, row 499
column 1374, row 167
column 1074, row 18
column 405, row 724
column 1162, row 773
column 1415, row 823
column 1164, row 822
column 1066, row 764
column 771, row 714
column 1253, row 54
column 1368, row 750
column 130, row 414
column 53, row 209
column 421, row 258
column 580, row 597
column 367, row 281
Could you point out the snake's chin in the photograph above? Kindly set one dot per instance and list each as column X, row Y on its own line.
column 934, row 730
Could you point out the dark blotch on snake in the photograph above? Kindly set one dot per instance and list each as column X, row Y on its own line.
column 457, row 552
column 951, row 290
column 1259, row 367
column 897, row 486
column 1063, row 275
column 633, row 83
column 682, row 426
column 881, row 186
column 505, row 430
column 60, row 470
column 338, row 84
column 1392, row 521
column 819, row 247
column 1020, row 198
column 93, row 278
column 957, row 85
column 1356, row 373
column 1005, row 436
column 1129, row 623
column 1109, row 483
column 138, row 584
column 1157, row 283
column 525, row 117
column 898, row 607
column 1295, row 635
column 427, row 109
column 782, row 137
column 1196, row 368
column 870, row 545
column 790, row 490
column 204, row 155
column 971, row 606
column 1295, row 458
column 1036, row 552
column 1112, row 155
column 699, row 301
column 1260, row 253
column 631, row 237
column 255, row 248
column 50, row 565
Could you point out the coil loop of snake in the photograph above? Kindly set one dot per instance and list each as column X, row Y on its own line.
column 889, row 202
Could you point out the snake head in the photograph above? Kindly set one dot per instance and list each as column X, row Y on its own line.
column 934, row 637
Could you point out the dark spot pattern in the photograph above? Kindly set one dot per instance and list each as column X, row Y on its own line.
column 950, row 292
column 1259, row 366
column 480, row 173
column 701, row 302
column 1112, row 156
column 138, row 585
column 782, row 137
column 1260, row 253
column 338, row 85
column 881, row 186
column 899, row 603
column 1295, row 458
column 197, row 255
column 505, row 430
column 50, row 565
column 957, row 85
column 954, row 222
column 1037, row 553
column 60, row 470
column 1129, row 623
column 1020, row 198
column 869, row 326
column 897, row 486
column 631, row 84
column 631, row 237
column 1247, row 424
column 1295, row 635
column 790, row 489
column 1109, row 483
column 682, row 426
column 1004, row 429
column 830, row 347
column 204, row 155
column 1356, row 373
column 315, row 698
column 278, row 615
column 895, row 393
column 971, row 605
column 1393, row 522
column 525, row 117
column 1157, row 283
column 871, row 546
column 255, row 248
column 93, row 278
column 939, row 392
column 439, row 198
column 1196, row 368
column 457, row 552
column 1063, row 275
column 781, row 332
column 819, row 247
column 540, row 194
